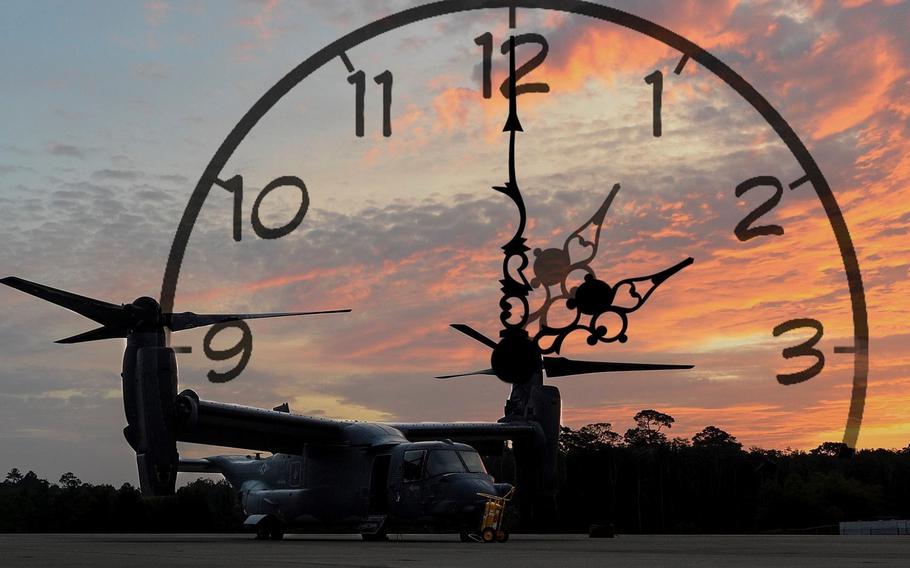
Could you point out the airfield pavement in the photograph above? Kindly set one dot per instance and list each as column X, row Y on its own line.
column 443, row 551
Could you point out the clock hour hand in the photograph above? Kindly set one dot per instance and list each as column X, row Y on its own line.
column 636, row 286
column 594, row 298
column 659, row 278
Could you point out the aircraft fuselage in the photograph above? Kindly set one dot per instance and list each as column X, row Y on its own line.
column 427, row 486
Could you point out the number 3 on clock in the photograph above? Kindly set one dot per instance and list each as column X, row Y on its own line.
column 803, row 349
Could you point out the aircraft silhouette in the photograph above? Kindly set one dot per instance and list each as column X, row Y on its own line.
column 331, row 475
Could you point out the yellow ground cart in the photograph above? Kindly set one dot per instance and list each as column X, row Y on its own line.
column 491, row 529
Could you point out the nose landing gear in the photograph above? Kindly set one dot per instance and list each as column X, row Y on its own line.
column 266, row 527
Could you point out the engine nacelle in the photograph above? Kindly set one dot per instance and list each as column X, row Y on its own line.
column 151, row 416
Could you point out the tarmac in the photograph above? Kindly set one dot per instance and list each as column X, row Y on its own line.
column 443, row 551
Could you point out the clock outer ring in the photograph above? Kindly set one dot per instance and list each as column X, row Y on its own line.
column 860, row 348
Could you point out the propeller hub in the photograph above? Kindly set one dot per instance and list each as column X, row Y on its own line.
column 516, row 358
column 144, row 312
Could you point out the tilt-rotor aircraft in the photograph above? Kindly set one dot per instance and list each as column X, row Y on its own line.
column 372, row 477
column 329, row 475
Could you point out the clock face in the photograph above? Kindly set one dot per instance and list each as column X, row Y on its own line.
column 671, row 217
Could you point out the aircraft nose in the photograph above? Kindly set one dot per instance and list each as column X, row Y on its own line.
column 471, row 492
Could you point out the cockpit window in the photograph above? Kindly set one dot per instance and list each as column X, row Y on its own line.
column 473, row 461
column 444, row 461
column 412, row 465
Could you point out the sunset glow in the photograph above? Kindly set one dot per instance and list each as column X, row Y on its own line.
column 406, row 231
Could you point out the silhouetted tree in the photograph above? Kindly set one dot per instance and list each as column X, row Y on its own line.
column 647, row 430
column 642, row 437
column 69, row 481
column 588, row 438
column 653, row 420
column 601, row 435
column 714, row 437
column 31, row 481
column 14, row 475
column 679, row 443
column 572, row 441
column 830, row 449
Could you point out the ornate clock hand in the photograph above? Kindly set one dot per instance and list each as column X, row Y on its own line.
column 514, row 290
column 594, row 298
column 654, row 279
column 553, row 266
column 516, row 358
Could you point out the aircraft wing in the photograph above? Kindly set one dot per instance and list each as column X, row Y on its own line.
column 236, row 426
column 474, row 433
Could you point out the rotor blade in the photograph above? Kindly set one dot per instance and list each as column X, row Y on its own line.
column 189, row 320
column 562, row 367
column 480, row 372
column 96, row 310
column 103, row 332
column 473, row 334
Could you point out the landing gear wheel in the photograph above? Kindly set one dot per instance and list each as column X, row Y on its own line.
column 270, row 528
column 488, row 535
column 502, row 535
column 377, row 537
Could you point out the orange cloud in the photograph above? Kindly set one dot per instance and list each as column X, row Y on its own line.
column 453, row 105
column 880, row 68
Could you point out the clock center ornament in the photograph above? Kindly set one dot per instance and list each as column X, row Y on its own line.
column 518, row 356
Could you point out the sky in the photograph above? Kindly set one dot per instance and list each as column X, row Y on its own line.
column 112, row 110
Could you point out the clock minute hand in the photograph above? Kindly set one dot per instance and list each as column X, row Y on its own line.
column 512, row 125
column 515, row 286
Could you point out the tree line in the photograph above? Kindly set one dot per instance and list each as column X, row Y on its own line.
column 31, row 504
column 642, row 481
